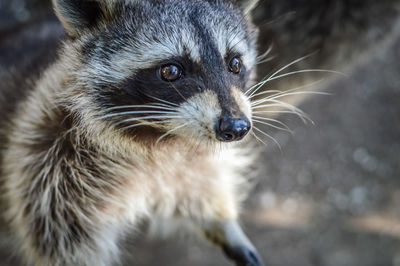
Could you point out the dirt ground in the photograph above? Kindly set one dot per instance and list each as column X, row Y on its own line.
column 331, row 195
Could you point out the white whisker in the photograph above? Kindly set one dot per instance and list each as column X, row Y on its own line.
column 257, row 138
column 146, row 118
column 290, row 90
column 294, row 73
column 273, row 120
column 293, row 108
column 146, row 123
column 273, row 97
column 272, row 125
column 266, row 60
column 303, row 116
column 277, row 72
column 274, row 101
column 266, row 105
column 151, row 105
column 134, row 113
column 290, row 64
column 269, row 136
column 265, row 54
column 305, row 71
column 170, row 131
column 164, row 101
column 278, row 112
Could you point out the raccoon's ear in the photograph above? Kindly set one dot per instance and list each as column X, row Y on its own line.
column 80, row 15
column 247, row 5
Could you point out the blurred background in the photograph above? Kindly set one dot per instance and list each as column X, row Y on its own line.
column 330, row 196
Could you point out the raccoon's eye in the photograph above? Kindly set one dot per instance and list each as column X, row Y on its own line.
column 170, row 73
column 235, row 65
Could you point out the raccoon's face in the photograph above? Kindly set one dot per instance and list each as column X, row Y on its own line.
column 166, row 67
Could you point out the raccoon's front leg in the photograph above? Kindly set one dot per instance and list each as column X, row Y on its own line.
column 230, row 237
column 218, row 221
column 219, row 209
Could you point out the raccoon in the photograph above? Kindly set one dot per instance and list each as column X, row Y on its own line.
column 138, row 118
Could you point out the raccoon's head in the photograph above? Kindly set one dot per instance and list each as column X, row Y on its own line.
column 165, row 67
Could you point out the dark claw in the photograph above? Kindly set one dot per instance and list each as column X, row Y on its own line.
column 243, row 256
column 235, row 244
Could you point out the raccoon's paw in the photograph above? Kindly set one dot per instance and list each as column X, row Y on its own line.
column 235, row 244
column 243, row 256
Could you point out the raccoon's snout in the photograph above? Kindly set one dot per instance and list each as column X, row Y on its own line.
column 232, row 129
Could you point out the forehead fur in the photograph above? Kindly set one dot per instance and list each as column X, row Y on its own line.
column 143, row 33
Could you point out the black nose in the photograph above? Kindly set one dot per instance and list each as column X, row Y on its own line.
column 232, row 129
